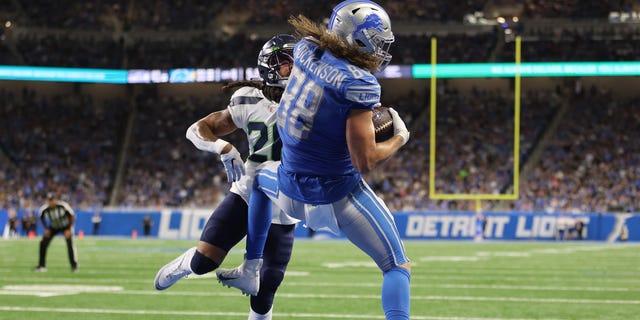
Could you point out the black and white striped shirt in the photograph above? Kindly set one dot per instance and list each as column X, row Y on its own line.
column 58, row 216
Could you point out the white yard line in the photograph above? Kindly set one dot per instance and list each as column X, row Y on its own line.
column 465, row 286
column 207, row 281
column 239, row 314
column 282, row 295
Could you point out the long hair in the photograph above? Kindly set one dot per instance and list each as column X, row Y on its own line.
column 330, row 41
column 271, row 93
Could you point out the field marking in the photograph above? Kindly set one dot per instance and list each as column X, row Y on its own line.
column 449, row 258
column 521, row 279
column 464, row 286
column 350, row 264
column 206, row 280
column 282, row 295
column 414, row 278
column 226, row 314
column 48, row 290
column 481, row 255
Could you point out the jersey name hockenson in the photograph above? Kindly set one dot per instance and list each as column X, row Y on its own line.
column 322, row 91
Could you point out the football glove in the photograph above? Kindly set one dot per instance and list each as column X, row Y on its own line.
column 399, row 128
column 233, row 164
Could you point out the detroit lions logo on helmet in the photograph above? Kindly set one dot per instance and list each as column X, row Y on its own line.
column 371, row 21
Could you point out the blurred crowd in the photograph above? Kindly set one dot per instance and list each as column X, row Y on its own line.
column 589, row 165
column 592, row 163
column 220, row 34
column 163, row 168
column 66, row 143
column 200, row 14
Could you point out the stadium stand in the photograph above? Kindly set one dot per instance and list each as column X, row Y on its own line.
column 67, row 143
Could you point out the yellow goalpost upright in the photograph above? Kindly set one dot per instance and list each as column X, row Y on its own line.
column 516, row 137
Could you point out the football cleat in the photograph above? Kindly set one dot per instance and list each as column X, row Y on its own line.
column 246, row 277
column 40, row 269
column 175, row 270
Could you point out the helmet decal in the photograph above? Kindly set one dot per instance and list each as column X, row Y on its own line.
column 365, row 24
column 372, row 21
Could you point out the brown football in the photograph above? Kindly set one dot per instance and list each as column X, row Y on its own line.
column 382, row 123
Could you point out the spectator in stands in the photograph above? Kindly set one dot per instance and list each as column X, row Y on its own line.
column 579, row 229
column 147, row 224
column 12, row 223
column 28, row 222
column 96, row 219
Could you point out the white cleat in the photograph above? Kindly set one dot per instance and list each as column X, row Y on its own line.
column 175, row 270
column 246, row 277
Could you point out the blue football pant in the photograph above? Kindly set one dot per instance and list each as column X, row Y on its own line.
column 361, row 216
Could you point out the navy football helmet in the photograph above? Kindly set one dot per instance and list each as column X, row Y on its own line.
column 276, row 52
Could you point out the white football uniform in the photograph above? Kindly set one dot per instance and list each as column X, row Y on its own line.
column 256, row 115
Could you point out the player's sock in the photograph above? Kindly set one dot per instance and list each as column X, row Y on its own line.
column 269, row 282
column 277, row 253
column 201, row 264
column 396, row 293
column 259, row 222
column 256, row 316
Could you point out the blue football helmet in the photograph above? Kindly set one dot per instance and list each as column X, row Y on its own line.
column 276, row 52
column 365, row 24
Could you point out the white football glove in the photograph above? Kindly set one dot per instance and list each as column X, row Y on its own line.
column 399, row 128
column 233, row 164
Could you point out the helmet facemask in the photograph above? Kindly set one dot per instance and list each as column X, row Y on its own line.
column 276, row 53
column 377, row 45
column 276, row 61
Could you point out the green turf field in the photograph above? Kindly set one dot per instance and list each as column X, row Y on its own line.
column 329, row 280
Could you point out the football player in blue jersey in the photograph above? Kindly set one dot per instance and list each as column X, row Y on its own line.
column 252, row 108
column 325, row 123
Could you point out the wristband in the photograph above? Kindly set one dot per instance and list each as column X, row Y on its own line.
column 205, row 145
column 218, row 145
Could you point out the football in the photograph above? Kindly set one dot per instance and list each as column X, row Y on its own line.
column 382, row 123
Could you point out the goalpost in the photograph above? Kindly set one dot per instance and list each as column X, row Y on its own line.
column 516, row 137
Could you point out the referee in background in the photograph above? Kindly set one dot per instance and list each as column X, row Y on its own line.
column 57, row 216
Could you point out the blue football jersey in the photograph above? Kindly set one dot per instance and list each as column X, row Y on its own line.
column 312, row 115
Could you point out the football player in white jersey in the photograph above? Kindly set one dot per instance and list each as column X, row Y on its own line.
column 252, row 108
